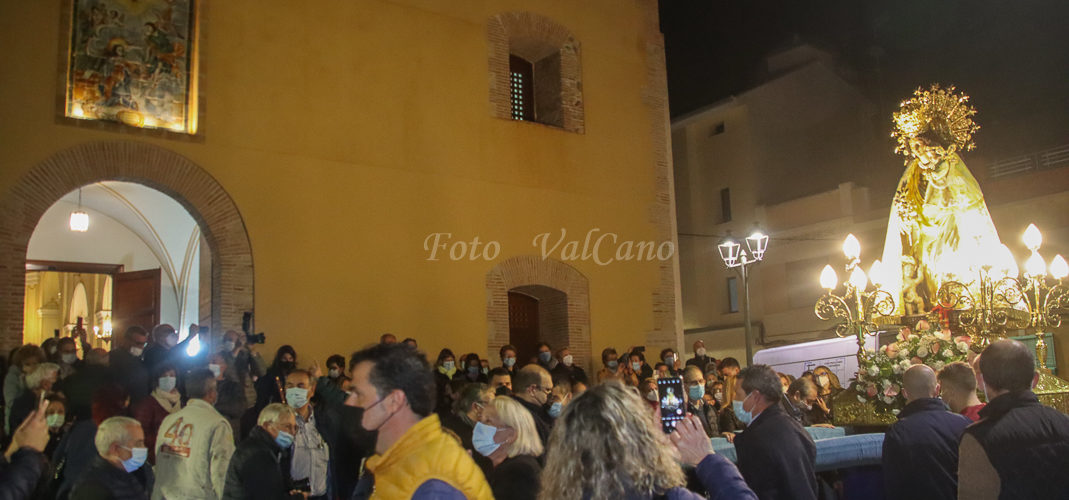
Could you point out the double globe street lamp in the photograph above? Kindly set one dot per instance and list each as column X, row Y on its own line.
column 739, row 258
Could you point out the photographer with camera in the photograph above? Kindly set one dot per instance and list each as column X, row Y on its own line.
column 241, row 356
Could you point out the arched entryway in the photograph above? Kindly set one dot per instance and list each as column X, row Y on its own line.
column 551, row 294
column 197, row 191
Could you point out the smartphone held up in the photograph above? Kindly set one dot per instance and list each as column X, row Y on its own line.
column 670, row 394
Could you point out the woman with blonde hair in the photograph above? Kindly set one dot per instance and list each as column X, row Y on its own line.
column 514, row 452
column 608, row 445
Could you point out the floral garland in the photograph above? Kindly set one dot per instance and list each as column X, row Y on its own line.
column 879, row 377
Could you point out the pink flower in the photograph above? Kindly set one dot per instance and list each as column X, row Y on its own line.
column 923, row 326
column 892, row 350
column 944, row 334
column 935, row 347
column 964, row 338
column 904, row 333
column 891, row 391
column 871, row 390
column 916, row 361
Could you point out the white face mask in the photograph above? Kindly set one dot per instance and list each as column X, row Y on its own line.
column 136, row 351
column 700, row 352
column 669, row 359
column 822, row 380
column 69, row 358
column 652, row 396
column 568, row 360
column 216, row 369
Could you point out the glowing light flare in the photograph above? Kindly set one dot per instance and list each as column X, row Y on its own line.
column 1058, row 268
column 858, row 279
column 828, row 279
column 79, row 221
column 851, row 247
column 194, row 346
column 1032, row 237
column 1006, row 265
column 1035, row 266
column 876, row 273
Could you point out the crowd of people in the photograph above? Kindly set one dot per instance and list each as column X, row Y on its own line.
column 150, row 419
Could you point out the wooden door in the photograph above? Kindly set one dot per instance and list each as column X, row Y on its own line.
column 135, row 300
column 523, row 326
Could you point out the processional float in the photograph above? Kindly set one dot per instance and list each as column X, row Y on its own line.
column 945, row 281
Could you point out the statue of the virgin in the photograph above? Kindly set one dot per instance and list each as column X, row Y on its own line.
column 939, row 227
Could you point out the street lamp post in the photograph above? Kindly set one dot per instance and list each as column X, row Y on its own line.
column 739, row 258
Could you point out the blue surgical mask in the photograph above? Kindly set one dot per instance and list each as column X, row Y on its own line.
column 284, row 440
column 744, row 416
column 167, row 383
column 482, row 439
column 474, row 370
column 555, row 409
column 229, row 346
column 696, row 392
column 136, row 460
column 296, row 397
column 509, row 362
column 545, row 356
column 612, row 364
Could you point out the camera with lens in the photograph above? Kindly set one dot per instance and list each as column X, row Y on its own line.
column 246, row 326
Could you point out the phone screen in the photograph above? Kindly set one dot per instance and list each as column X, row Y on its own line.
column 670, row 393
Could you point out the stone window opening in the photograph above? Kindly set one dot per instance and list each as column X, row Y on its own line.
column 534, row 71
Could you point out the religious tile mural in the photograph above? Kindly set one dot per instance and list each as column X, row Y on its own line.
column 131, row 61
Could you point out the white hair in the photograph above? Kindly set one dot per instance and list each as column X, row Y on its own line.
column 273, row 412
column 44, row 371
column 513, row 414
column 114, row 430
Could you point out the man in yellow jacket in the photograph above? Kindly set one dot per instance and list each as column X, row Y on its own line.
column 413, row 458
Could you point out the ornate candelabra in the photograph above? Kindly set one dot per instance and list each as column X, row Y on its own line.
column 1045, row 302
column 859, row 307
column 985, row 306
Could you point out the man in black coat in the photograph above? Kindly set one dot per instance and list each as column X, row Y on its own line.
column 776, row 455
column 256, row 470
column 920, row 451
column 1019, row 448
column 117, row 472
column 531, row 387
column 126, row 363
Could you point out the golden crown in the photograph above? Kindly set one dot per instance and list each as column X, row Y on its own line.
column 937, row 112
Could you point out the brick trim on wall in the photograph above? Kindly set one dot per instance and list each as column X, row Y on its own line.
column 526, row 270
column 667, row 306
column 214, row 210
column 534, row 37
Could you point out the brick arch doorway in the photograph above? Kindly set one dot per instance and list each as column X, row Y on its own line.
column 22, row 206
column 562, row 295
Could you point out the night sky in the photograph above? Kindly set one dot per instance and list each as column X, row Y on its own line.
column 1011, row 57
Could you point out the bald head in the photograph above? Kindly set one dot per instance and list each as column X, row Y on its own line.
column 919, row 383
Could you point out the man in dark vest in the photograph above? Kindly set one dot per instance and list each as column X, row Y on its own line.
column 920, row 451
column 1019, row 448
column 776, row 455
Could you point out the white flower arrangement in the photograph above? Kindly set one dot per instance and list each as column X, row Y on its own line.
column 879, row 377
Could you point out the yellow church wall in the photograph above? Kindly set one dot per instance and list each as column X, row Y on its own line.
column 348, row 133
